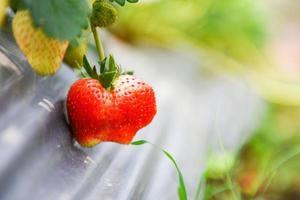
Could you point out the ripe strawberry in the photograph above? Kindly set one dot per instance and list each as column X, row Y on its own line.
column 110, row 106
column 43, row 53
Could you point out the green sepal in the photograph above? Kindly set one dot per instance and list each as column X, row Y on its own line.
column 87, row 65
column 112, row 64
column 107, row 78
column 102, row 65
column 92, row 72
column 95, row 72
column 129, row 72
column 108, row 72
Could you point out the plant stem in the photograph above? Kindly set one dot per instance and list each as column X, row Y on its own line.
column 98, row 44
column 199, row 187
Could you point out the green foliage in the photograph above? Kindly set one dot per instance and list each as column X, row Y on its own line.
column 63, row 19
column 266, row 166
column 181, row 188
column 232, row 28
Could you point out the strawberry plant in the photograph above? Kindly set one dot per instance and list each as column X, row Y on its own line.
column 107, row 104
column 45, row 29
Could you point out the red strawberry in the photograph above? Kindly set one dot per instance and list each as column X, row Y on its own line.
column 109, row 108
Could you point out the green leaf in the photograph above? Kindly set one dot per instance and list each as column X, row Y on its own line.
column 139, row 142
column 132, row 1
column 181, row 188
column 62, row 19
column 122, row 2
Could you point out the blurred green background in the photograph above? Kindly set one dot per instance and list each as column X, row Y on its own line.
column 256, row 40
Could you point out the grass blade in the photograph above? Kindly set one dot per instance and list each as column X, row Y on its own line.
column 181, row 188
column 139, row 142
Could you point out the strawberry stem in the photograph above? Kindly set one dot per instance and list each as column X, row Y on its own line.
column 99, row 45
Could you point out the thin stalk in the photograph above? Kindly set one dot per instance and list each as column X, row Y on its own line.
column 228, row 177
column 199, row 188
column 271, row 174
column 99, row 45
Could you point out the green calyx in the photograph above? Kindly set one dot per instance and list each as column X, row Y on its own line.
column 104, row 14
column 107, row 73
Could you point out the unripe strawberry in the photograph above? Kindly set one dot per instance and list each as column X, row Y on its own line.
column 219, row 165
column 74, row 55
column 104, row 14
column 44, row 54
column 3, row 6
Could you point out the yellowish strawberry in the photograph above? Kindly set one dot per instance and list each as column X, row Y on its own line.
column 3, row 6
column 44, row 54
column 74, row 55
